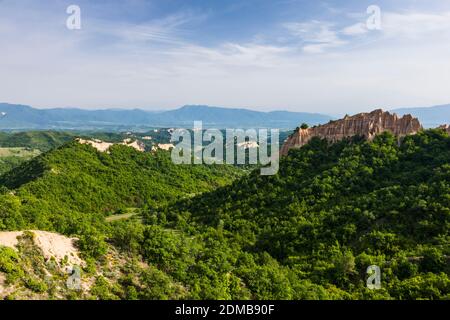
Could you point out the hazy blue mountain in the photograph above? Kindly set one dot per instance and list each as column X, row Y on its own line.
column 430, row 117
column 26, row 117
column 216, row 116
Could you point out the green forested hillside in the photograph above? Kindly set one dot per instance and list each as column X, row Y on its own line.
column 41, row 140
column 309, row 232
column 72, row 188
column 332, row 211
column 18, row 147
column 12, row 157
column 78, row 177
column 35, row 142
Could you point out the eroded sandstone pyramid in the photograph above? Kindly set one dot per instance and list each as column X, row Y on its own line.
column 367, row 125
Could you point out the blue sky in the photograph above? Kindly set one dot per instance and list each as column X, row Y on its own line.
column 316, row 56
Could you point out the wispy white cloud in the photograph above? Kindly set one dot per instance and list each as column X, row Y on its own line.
column 315, row 36
column 170, row 30
column 416, row 24
column 322, row 36
column 233, row 54
column 313, row 31
column 355, row 29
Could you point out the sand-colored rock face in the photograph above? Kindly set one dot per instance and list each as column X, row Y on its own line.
column 163, row 146
column 97, row 144
column 139, row 146
column 104, row 146
column 445, row 127
column 367, row 125
column 52, row 245
column 248, row 145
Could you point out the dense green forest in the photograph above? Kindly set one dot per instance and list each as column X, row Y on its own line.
column 215, row 232
column 334, row 209
column 34, row 142
column 41, row 140
column 48, row 140
column 81, row 179
column 19, row 147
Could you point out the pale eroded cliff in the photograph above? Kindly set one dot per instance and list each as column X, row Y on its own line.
column 367, row 125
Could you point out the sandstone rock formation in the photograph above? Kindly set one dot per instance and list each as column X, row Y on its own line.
column 103, row 146
column 163, row 146
column 53, row 245
column 445, row 127
column 367, row 125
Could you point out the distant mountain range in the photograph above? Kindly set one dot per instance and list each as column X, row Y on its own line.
column 25, row 117
column 22, row 117
column 430, row 117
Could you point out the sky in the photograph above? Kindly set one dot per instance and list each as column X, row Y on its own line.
column 331, row 57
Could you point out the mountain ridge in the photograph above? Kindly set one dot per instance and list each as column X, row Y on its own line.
column 27, row 117
column 24, row 117
column 430, row 117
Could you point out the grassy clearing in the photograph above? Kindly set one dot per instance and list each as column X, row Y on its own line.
column 131, row 213
column 19, row 152
column 14, row 156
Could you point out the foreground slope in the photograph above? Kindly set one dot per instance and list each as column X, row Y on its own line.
column 72, row 190
column 335, row 209
column 309, row 232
